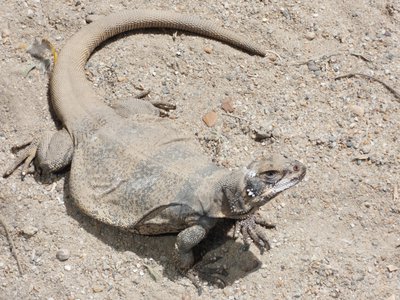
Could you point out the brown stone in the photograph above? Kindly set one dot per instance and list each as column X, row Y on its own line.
column 210, row 118
column 227, row 105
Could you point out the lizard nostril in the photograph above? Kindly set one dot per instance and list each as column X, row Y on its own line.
column 296, row 168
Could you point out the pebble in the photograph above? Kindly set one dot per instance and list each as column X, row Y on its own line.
column 262, row 132
column 62, row 254
column 312, row 66
column 165, row 90
column 392, row 268
column 30, row 14
column 5, row 33
column 208, row 50
column 97, row 288
column 358, row 277
column 285, row 13
column 92, row 18
column 29, row 230
column 210, row 119
column 122, row 79
column 227, row 105
column 67, row 267
column 310, row 35
column 366, row 149
column 357, row 110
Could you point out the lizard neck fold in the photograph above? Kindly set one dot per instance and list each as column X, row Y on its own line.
column 218, row 192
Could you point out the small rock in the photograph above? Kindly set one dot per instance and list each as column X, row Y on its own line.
column 262, row 131
column 392, row 268
column 165, row 90
column 285, row 12
column 92, row 18
column 357, row 110
column 227, row 105
column 210, row 118
column 310, row 35
column 5, row 33
column 208, row 50
column 30, row 14
column 365, row 149
column 62, row 254
column 97, row 288
column 229, row 77
column 67, row 267
column 312, row 66
column 358, row 277
column 29, row 230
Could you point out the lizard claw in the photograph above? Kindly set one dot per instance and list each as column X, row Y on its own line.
column 252, row 230
column 26, row 156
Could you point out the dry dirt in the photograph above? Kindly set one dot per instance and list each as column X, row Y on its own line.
column 338, row 231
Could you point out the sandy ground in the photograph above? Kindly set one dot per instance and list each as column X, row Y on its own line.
column 338, row 231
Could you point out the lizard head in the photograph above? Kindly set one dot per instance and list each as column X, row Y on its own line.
column 264, row 179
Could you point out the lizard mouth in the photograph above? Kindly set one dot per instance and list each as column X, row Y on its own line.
column 272, row 190
column 286, row 182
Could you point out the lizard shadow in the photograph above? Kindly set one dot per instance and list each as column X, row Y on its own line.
column 160, row 248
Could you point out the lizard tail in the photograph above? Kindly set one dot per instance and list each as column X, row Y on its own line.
column 72, row 95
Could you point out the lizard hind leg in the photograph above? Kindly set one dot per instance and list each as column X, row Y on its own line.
column 132, row 107
column 139, row 107
column 52, row 152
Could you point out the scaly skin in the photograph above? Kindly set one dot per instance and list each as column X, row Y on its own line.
column 139, row 172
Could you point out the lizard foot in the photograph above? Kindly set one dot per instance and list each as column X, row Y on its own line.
column 252, row 229
column 27, row 154
column 201, row 272
column 51, row 151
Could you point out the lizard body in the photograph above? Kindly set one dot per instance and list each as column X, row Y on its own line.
column 138, row 171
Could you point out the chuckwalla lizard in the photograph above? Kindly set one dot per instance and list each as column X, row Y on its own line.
column 137, row 171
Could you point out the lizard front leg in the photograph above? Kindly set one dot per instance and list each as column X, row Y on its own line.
column 185, row 241
column 253, row 229
column 52, row 152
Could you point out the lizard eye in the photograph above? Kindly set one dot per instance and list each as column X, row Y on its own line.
column 270, row 173
column 271, row 176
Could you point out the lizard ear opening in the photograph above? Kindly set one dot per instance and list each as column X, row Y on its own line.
column 254, row 187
